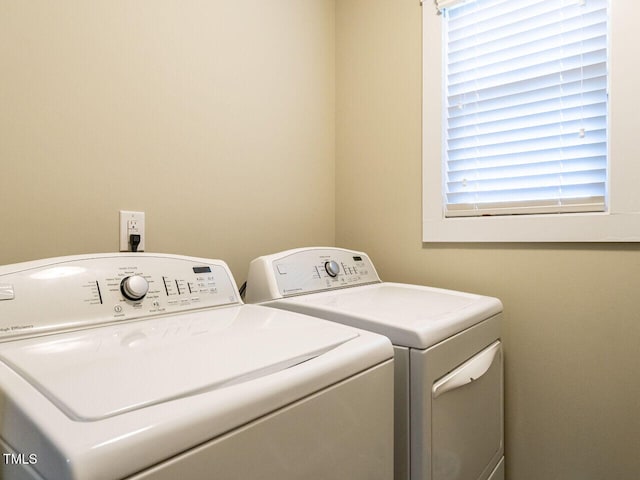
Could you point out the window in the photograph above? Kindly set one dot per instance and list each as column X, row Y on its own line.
column 524, row 116
column 526, row 106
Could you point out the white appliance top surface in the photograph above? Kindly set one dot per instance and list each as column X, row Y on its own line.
column 409, row 315
column 97, row 373
column 120, row 398
column 93, row 381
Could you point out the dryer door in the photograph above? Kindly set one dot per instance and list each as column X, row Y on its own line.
column 466, row 417
column 457, row 406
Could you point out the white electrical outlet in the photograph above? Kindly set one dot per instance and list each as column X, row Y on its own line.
column 131, row 223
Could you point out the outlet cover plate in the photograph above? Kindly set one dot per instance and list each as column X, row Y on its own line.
column 131, row 222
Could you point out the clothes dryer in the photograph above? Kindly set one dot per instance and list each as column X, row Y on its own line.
column 448, row 354
column 148, row 366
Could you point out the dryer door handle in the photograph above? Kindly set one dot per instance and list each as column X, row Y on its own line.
column 468, row 372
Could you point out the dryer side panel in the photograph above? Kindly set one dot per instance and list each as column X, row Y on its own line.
column 401, row 414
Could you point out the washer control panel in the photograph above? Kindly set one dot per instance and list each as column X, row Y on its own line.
column 309, row 270
column 65, row 293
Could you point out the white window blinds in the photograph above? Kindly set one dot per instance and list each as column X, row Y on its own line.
column 526, row 106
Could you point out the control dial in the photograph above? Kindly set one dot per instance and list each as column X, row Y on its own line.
column 332, row 268
column 134, row 287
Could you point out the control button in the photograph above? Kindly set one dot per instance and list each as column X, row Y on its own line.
column 134, row 287
column 332, row 268
column 6, row 292
column 117, row 309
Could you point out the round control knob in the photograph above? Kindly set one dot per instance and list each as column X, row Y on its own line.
column 134, row 287
column 332, row 268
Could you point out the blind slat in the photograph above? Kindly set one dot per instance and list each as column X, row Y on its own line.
column 558, row 78
column 531, row 37
column 533, row 157
column 559, row 120
column 589, row 92
column 567, row 205
column 528, row 169
column 592, row 62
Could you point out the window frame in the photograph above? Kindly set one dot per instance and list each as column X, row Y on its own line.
column 621, row 221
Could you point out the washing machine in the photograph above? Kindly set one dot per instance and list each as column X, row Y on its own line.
column 149, row 366
column 448, row 354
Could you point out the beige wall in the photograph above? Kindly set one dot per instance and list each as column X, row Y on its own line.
column 214, row 117
column 572, row 324
column 217, row 119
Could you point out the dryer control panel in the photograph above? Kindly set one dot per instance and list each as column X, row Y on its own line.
column 66, row 293
column 307, row 270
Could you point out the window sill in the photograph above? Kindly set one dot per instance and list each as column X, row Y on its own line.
column 582, row 227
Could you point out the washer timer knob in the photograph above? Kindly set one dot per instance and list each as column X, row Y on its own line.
column 332, row 268
column 134, row 287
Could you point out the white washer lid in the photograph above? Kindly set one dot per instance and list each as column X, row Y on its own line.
column 409, row 315
column 102, row 372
